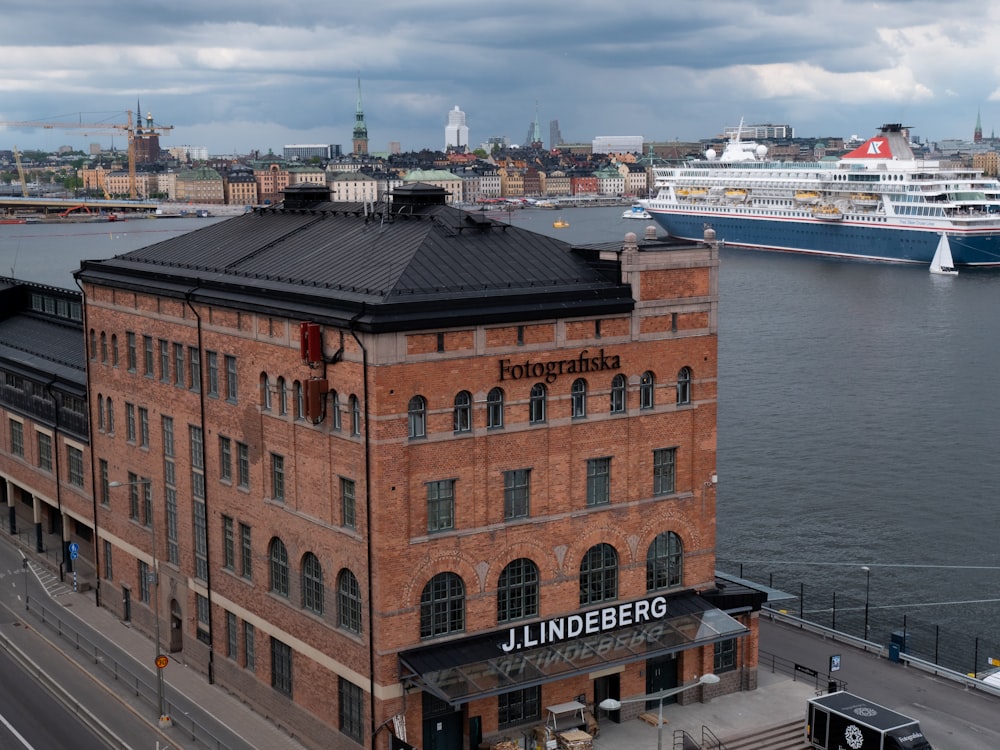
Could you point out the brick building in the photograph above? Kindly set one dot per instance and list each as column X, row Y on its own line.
column 409, row 464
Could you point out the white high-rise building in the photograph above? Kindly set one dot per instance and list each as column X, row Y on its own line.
column 456, row 132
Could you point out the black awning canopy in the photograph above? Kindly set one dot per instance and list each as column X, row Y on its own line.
column 462, row 670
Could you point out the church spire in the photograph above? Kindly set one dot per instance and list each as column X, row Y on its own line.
column 978, row 135
column 360, row 137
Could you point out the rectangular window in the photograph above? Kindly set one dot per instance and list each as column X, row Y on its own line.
column 347, row 506
column 228, row 544
column 598, row 481
column 519, row 707
column 203, row 608
column 44, row 451
column 16, row 438
column 351, row 706
column 129, row 422
column 663, row 471
column 197, row 462
column 143, row 427
column 143, row 582
column 133, row 497
column 109, row 571
column 277, row 477
column 724, row 658
column 147, row 349
column 164, row 361
column 225, row 459
column 130, row 350
column 194, row 367
column 147, row 502
column 105, row 482
column 281, row 667
column 170, row 504
column 213, row 374
column 232, row 636
column 246, row 552
column 232, row 389
column 179, row 365
column 516, row 493
column 200, row 540
column 75, row 458
column 243, row 465
column 248, row 646
column 441, row 505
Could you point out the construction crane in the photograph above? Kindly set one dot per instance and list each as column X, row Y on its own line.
column 133, row 132
column 20, row 172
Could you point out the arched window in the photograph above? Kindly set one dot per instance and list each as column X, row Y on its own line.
column 463, row 411
column 579, row 398
column 300, row 405
column 664, row 562
column 104, row 347
column 93, row 344
column 114, row 350
column 265, row 392
column 109, row 418
column 536, row 403
column 348, row 602
column 618, row 394
column 517, row 591
column 646, row 384
column 335, row 410
column 100, row 412
column 312, row 583
column 355, row 407
column 599, row 575
column 442, row 606
column 278, row 556
column 494, row 408
column 417, row 417
column 282, row 396
column 684, row 386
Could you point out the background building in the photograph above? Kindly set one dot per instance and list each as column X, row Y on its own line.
column 456, row 132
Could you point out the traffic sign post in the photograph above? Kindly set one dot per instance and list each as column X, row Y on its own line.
column 161, row 661
column 74, row 550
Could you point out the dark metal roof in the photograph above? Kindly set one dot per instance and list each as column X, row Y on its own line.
column 403, row 265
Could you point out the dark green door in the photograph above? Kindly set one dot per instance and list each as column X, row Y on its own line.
column 661, row 674
column 442, row 725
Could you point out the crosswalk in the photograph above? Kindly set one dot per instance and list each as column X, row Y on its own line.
column 49, row 581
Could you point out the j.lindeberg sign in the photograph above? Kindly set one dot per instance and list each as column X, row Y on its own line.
column 585, row 623
column 549, row 371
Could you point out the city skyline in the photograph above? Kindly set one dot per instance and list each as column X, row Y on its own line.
column 235, row 78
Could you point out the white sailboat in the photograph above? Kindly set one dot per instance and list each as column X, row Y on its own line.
column 941, row 262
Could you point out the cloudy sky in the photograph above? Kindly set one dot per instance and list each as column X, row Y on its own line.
column 238, row 75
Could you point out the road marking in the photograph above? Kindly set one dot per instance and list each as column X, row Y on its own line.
column 10, row 728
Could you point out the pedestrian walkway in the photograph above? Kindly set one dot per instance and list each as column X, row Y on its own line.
column 183, row 686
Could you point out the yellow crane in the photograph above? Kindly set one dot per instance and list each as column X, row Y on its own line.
column 134, row 133
column 20, row 172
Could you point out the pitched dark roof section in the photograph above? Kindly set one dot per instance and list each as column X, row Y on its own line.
column 408, row 264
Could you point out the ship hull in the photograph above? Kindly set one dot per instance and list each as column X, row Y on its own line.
column 857, row 239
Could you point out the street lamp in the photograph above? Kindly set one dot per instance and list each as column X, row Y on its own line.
column 868, row 582
column 612, row 704
column 160, row 660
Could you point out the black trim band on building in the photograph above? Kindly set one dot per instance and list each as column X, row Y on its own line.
column 497, row 662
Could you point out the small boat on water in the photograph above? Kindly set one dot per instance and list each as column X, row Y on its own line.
column 942, row 263
column 560, row 224
column 636, row 212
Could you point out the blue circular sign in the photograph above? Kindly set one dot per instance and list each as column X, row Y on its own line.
column 74, row 550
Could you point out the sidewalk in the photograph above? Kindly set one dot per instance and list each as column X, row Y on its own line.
column 189, row 696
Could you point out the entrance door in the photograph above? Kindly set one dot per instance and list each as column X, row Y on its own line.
column 661, row 674
column 608, row 686
column 176, row 634
column 126, row 605
column 442, row 725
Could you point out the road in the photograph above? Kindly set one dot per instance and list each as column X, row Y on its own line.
column 950, row 715
column 32, row 719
